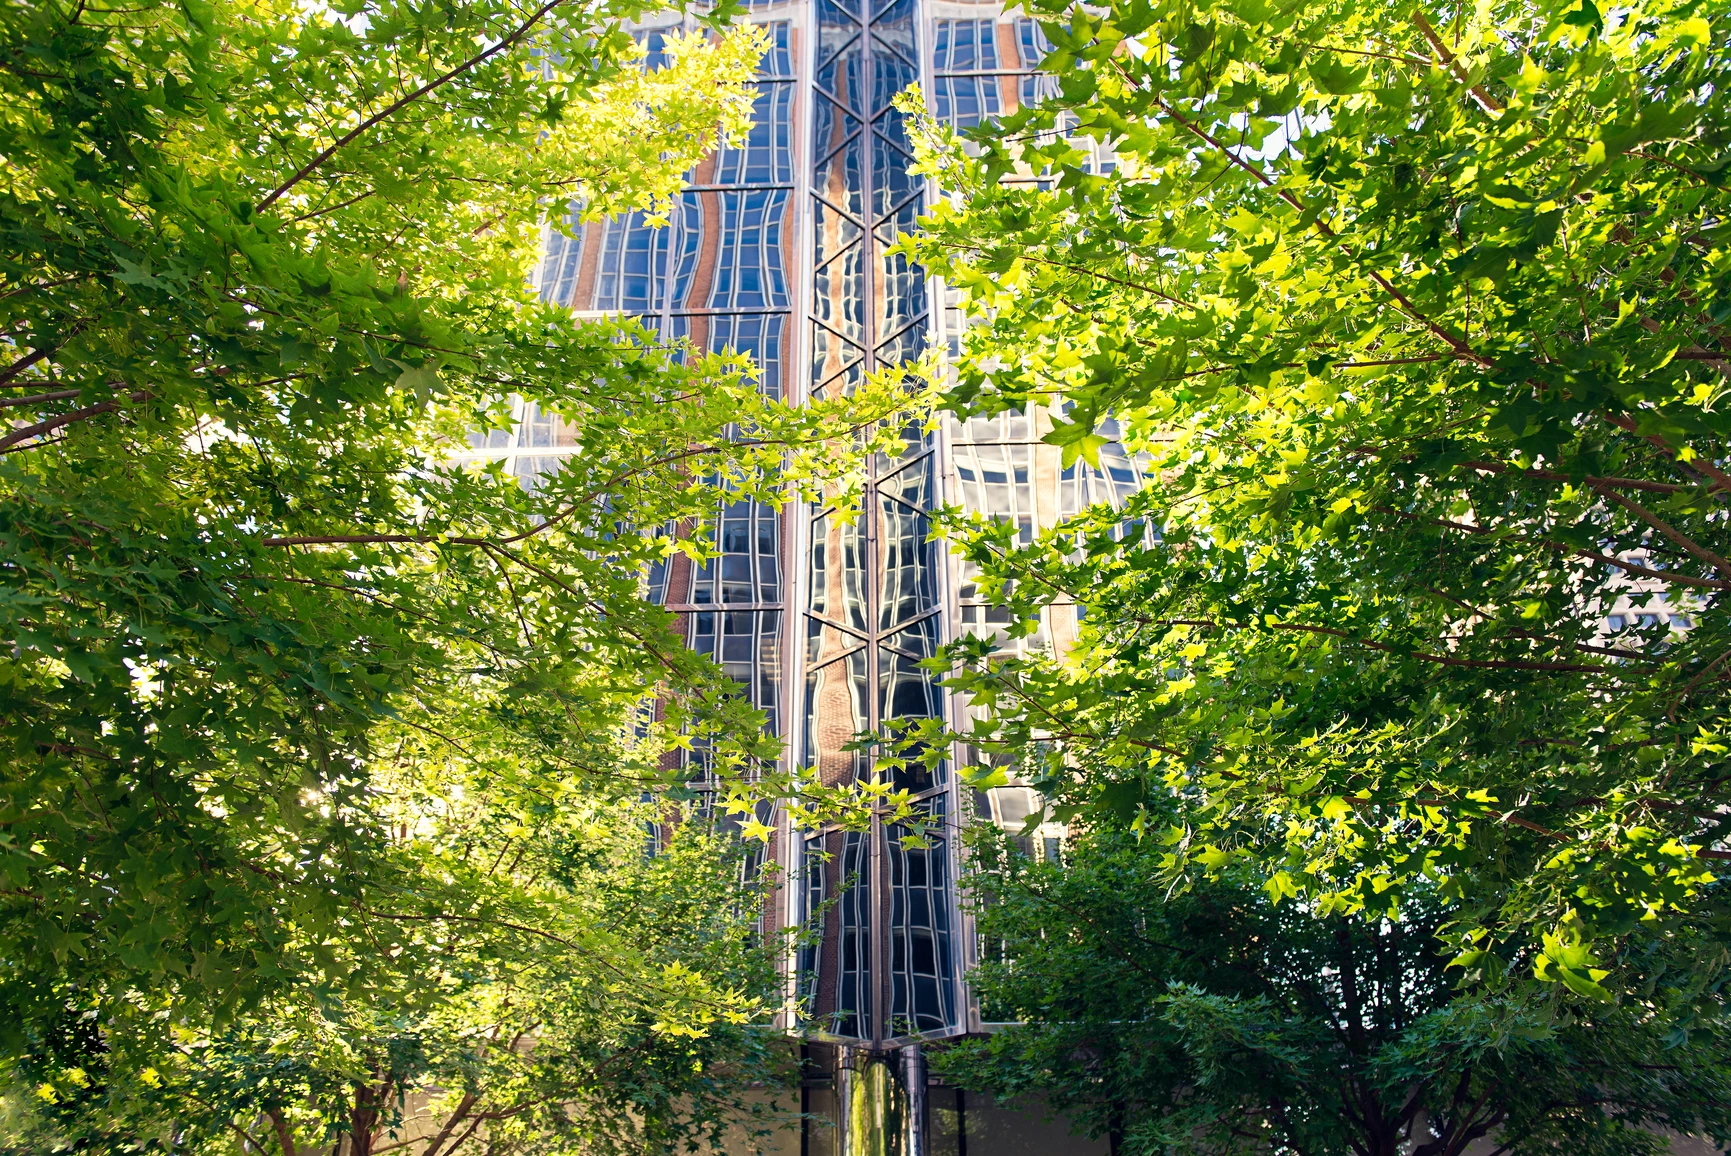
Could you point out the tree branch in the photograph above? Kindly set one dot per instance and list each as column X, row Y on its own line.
column 50, row 425
column 395, row 106
column 1677, row 536
column 1486, row 101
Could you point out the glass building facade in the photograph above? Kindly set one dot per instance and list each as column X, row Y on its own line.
column 779, row 249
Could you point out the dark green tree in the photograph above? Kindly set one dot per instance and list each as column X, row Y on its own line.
column 1418, row 319
column 1217, row 1021
column 637, row 1018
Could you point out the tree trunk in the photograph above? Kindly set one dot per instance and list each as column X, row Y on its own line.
column 364, row 1118
column 284, row 1135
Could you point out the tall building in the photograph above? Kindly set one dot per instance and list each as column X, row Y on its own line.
column 779, row 249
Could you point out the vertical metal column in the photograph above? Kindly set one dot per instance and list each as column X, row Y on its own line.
column 847, row 1064
column 874, row 1106
column 914, row 1079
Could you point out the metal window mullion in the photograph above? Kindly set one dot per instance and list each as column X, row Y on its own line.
column 798, row 391
column 961, row 925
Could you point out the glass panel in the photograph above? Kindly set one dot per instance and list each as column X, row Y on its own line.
column 530, row 470
column 835, row 29
column 997, row 480
column 915, row 441
column 964, row 45
column 693, row 217
column 777, row 63
column 657, row 582
column 901, row 299
column 891, row 182
column 812, row 895
column 836, row 292
column 905, row 346
column 835, row 966
column 908, row 581
column 1031, row 44
column 758, row 336
column 894, row 25
column 837, row 711
column 839, row 75
column 563, row 262
column 536, row 430
column 1009, row 426
column 840, row 177
column 831, row 125
column 1035, row 89
column 890, row 74
column 831, row 356
column 913, row 484
column 919, row 640
column 905, row 691
column 837, row 566
column 750, row 262
column 1080, row 486
column 633, row 263
column 921, row 947
column 748, row 568
column 1119, row 473
column 832, row 231
column 842, row 384
column 747, row 645
column 766, row 158
column 824, row 642
column 654, row 41
column 905, row 219
column 965, row 101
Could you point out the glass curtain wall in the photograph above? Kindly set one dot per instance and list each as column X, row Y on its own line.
column 883, row 964
column 777, row 249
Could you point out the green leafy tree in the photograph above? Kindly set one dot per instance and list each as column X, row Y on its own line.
column 1215, row 1021
column 1417, row 316
column 288, row 688
column 633, row 1017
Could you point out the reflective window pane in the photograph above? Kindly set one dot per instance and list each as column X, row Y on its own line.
column 766, row 157
column 747, row 645
column 837, row 712
column 836, row 588
column 748, row 568
column 563, row 262
column 921, row 940
column 835, row 965
column 964, row 45
column 750, row 260
column 633, row 263
column 758, row 336
column 908, row 566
